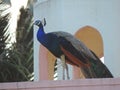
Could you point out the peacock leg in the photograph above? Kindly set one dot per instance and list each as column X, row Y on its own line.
column 67, row 71
column 63, row 64
column 64, row 67
column 63, row 73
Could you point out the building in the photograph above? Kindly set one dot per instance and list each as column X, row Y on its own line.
column 101, row 18
column 73, row 16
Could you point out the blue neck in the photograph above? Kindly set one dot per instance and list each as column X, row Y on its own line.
column 41, row 35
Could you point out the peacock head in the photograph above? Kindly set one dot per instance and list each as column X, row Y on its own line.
column 40, row 23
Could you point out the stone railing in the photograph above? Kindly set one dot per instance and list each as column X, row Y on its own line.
column 82, row 84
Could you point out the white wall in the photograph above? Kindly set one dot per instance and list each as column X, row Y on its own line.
column 70, row 15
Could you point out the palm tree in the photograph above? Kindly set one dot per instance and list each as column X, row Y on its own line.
column 16, row 61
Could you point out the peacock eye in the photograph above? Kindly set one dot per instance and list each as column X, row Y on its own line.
column 39, row 23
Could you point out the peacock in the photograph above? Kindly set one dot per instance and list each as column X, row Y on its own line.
column 70, row 50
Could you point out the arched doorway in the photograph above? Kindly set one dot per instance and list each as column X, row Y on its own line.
column 92, row 38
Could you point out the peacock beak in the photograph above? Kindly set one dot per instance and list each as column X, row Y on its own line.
column 35, row 23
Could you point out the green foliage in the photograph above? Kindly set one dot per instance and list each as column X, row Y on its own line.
column 16, row 62
column 16, row 66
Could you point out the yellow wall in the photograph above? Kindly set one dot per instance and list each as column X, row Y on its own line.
column 92, row 39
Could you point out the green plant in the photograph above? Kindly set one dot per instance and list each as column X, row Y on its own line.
column 16, row 61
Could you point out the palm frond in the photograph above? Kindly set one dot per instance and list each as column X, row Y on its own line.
column 16, row 62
